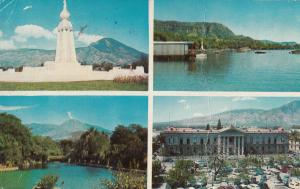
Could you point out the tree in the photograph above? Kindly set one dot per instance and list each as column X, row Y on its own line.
column 93, row 146
column 157, row 142
column 67, row 146
column 181, row 174
column 125, row 180
column 157, row 170
column 18, row 139
column 219, row 126
column 131, row 143
column 47, row 182
column 207, row 127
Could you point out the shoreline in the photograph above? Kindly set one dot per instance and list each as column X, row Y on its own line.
column 8, row 169
column 108, row 167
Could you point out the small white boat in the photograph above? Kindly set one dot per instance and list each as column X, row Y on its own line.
column 202, row 55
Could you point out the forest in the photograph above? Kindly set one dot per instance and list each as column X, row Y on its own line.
column 125, row 148
column 214, row 35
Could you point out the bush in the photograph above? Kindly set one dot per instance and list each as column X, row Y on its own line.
column 131, row 79
column 125, row 180
column 105, row 66
column 47, row 182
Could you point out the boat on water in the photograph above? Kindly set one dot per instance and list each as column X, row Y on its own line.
column 260, row 52
column 202, row 53
column 243, row 49
column 295, row 52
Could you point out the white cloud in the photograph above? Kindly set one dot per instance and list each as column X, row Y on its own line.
column 198, row 114
column 12, row 108
column 1, row 33
column 87, row 38
column 7, row 45
column 70, row 115
column 181, row 101
column 243, row 99
column 31, row 31
column 27, row 7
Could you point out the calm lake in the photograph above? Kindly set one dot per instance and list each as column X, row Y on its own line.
column 277, row 70
column 75, row 177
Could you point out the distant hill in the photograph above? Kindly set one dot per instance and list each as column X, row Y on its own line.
column 285, row 116
column 194, row 28
column 68, row 129
column 215, row 35
column 104, row 50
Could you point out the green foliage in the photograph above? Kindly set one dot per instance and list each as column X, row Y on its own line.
column 17, row 145
column 93, row 146
column 125, row 180
column 126, row 148
column 47, row 182
column 105, row 66
column 219, row 126
column 66, row 146
column 157, row 170
column 157, row 142
column 181, row 174
column 216, row 36
column 295, row 172
column 129, row 146
column 142, row 62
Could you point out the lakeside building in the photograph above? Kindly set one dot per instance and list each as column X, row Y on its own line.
column 172, row 49
column 229, row 141
column 65, row 67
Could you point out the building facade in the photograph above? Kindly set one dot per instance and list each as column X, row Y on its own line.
column 229, row 141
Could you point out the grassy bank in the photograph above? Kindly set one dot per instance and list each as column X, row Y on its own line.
column 67, row 86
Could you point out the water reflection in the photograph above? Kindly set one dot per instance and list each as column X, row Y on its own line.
column 231, row 71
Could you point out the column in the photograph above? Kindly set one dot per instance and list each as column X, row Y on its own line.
column 234, row 143
column 219, row 144
column 227, row 146
column 239, row 145
column 223, row 142
column 243, row 145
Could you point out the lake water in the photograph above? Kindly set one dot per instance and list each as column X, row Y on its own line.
column 276, row 70
column 74, row 177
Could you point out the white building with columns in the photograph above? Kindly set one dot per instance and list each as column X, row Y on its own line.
column 65, row 67
column 228, row 141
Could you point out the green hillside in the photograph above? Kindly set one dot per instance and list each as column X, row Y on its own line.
column 215, row 35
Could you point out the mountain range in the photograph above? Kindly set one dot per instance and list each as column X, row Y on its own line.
column 216, row 35
column 105, row 50
column 69, row 129
column 285, row 116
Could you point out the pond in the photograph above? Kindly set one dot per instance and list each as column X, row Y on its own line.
column 70, row 176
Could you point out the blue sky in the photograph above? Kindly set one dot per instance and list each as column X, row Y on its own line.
column 187, row 107
column 107, row 111
column 126, row 21
column 277, row 20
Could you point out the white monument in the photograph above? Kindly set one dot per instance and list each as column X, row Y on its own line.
column 65, row 68
column 65, row 49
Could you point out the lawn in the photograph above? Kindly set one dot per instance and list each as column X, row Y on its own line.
column 76, row 86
